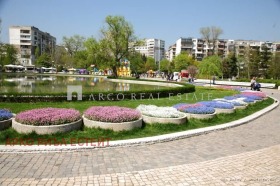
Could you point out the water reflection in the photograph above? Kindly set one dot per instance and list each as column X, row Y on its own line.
column 58, row 84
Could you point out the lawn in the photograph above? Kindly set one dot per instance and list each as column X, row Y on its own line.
column 201, row 94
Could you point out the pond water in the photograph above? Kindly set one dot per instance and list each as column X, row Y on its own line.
column 57, row 84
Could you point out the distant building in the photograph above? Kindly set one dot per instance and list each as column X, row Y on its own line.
column 26, row 39
column 199, row 48
column 154, row 48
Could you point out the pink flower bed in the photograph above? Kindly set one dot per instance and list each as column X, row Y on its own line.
column 48, row 116
column 112, row 114
column 259, row 94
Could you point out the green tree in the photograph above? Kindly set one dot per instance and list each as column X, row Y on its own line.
column 164, row 65
column 9, row 54
column 137, row 65
column 211, row 66
column 230, row 66
column 73, row 44
column 254, row 62
column 274, row 66
column 182, row 61
column 117, row 34
column 265, row 58
column 44, row 60
column 150, row 64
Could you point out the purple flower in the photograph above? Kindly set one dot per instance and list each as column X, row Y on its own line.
column 5, row 114
column 112, row 114
column 196, row 108
column 48, row 116
column 217, row 104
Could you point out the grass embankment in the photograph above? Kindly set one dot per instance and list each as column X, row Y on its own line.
column 147, row 130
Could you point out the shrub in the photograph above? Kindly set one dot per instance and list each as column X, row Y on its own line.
column 113, row 114
column 5, row 114
column 160, row 112
column 48, row 116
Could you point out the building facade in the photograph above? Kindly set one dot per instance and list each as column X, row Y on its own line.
column 154, row 48
column 198, row 48
column 26, row 39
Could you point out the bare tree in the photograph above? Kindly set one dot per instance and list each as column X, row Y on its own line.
column 211, row 35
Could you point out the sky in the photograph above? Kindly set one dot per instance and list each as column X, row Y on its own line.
column 160, row 19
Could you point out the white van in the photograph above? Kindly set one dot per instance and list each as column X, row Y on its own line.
column 176, row 76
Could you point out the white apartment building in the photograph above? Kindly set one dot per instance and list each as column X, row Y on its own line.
column 154, row 48
column 26, row 39
column 199, row 49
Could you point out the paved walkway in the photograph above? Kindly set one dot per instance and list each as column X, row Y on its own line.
column 244, row 155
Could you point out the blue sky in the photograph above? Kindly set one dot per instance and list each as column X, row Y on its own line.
column 162, row 19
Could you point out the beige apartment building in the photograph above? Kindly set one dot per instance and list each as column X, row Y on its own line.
column 26, row 39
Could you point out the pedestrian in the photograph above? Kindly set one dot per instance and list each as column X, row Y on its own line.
column 253, row 82
column 214, row 78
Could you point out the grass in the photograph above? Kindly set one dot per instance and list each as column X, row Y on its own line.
column 146, row 130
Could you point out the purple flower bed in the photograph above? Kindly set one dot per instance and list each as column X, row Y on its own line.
column 248, row 96
column 5, row 114
column 217, row 104
column 196, row 108
column 48, row 116
column 112, row 114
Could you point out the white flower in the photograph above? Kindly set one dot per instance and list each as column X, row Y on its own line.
column 160, row 112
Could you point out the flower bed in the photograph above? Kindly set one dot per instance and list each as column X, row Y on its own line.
column 112, row 117
column 238, row 104
column 47, row 121
column 164, row 115
column 5, row 119
column 198, row 111
column 219, row 106
column 254, row 93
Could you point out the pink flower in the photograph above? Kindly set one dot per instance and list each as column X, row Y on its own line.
column 48, row 116
column 112, row 114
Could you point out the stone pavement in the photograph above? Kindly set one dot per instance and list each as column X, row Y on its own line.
column 244, row 155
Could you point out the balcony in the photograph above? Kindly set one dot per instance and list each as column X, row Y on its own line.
column 186, row 46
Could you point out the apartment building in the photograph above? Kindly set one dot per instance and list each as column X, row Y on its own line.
column 154, row 48
column 26, row 39
column 199, row 48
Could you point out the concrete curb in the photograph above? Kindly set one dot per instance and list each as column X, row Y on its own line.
column 138, row 141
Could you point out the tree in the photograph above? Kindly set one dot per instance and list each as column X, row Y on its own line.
column 265, row 57
column 117, row 34
column 164, row 65
column 254, row 62
column 192, row 70
column 137, row 65
column 44, row 60
column 230, row 66
column 73, row 44
column 9, row 54
column 274, row 67
column 150, row 64
column 211, row 66
column 182, row 61
column 211, row 35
